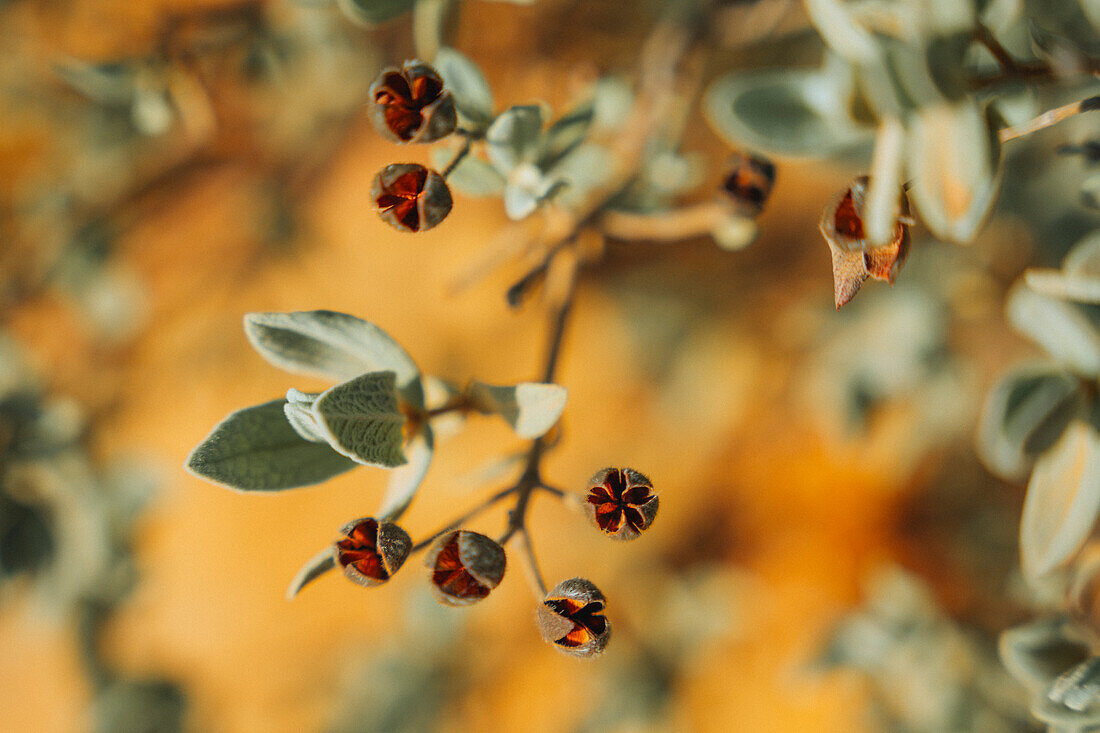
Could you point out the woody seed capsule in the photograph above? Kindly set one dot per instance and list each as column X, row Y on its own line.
column 465, row 566
column 620, row 502
column 370, row 552
column 410, row 105
column 410, row 197
column 571, row 617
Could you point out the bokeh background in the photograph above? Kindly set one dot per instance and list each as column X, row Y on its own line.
column 170, row 165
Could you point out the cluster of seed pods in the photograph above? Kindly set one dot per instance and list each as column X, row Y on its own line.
column 411, row 105
column 465, row 566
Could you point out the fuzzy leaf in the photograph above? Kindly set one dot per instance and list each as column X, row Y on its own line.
column 530, row 408
column 332, row 345
column 1038, row 652
column 372, row 12
column 471, row 92
column 473, row 176
column 361, row 419
column 954, row 163
column 1073, row 700
column 317, row 566
column 1064, row 330
column 1063, row 501
column 299, row 413
column 404, row 481
column 256, row 449
column 1025, row 414
column 513, row 137
column 792, row 112
column 565, row 134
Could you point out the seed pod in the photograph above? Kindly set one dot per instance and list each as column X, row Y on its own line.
column 620, row 502
column 465, row 567
column 410, row 105
column 854, row 259
column 748, row 182
column 571, row 617
column 370, row 552
column 410, row 197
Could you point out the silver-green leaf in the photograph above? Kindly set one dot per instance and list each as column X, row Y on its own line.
column 1065, row 330
column 317, row 566
column 1063, row 502
column 362, row 420
column 513, row 138
column 404, row 481
column 1038, row 652
column 256, row 449
column 473, row 176
column 530, row 408
column 332, row 345
column 299, row 413
column 471, row 92
column 373, row 12
column 1073, row 699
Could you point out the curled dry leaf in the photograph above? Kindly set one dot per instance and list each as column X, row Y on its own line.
column 854, row 258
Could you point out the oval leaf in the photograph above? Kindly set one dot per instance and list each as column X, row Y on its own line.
column 530, row 408
column 299, row 413
column 1064, row 330
column 473, row 176
column 953, row 161
column 332, row 345
column 797, row 112
column 256, row 449
column 1025, row 414
column 513, row 138
column 317, row 566
column 362, row 420
column 471, row 92
column 404, row 481
column 373, row 12
column 1038, row 652
column 1063, row 500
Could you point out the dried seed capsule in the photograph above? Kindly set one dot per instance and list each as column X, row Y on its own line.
column 370, row 552
column 410, row 105
column 854, row 259
column 465, row 567
column 748, row 182
column 620, row 502
column 571, row 617
column 410, row 197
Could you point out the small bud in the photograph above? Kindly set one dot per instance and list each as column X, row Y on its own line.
column 410, row 105
column 410, row 197
column 620, row 502
column 748, row 182
column 571, row 616
column 854, row 259
column 370, row 552
column 465, row 567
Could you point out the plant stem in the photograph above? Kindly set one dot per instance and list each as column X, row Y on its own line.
column 460, row 155
column 531, row 564
column 673, row 225
column 1048, row 118
column 984, row 36
column 459, row 521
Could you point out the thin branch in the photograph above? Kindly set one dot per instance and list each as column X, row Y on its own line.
column 531, row 565
column 459, row 521
column 1048, row 118
column 673, row 225
column 460, row 155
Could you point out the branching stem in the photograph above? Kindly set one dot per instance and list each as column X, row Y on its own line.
column 1048, row 118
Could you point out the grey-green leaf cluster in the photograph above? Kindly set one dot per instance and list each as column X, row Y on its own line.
column 530, row 408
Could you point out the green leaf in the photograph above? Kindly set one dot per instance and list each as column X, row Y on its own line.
column 473, row 176
column 404, row 481
column 1062, row 503
column 954, row 163
column 332, row 345
column 565, row 134
column 1025, row 414
column 1038, row 652
column 317, row 566
column 530, row 408
column 513, row 138
column 795, row 112
column 362, row 420
column 372, row 12
column 471, row 92
column 256, row 449
column 1079, row 278
column 1065, row 330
